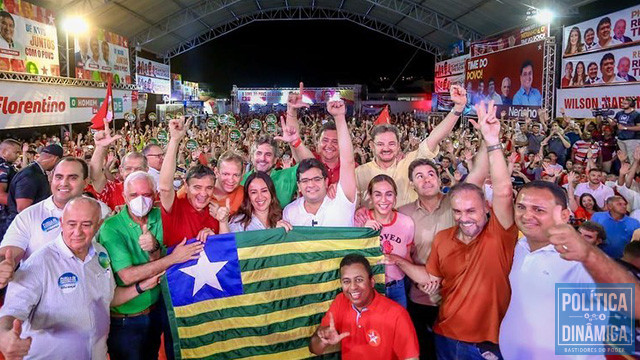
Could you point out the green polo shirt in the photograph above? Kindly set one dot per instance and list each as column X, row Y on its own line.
column 284, row 181
column 119, row 235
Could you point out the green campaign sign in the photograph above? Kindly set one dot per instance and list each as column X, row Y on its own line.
column 272, row 119
column 192, row 145
column 271, row 128
column 223, row 119
column 212, row 122
column 231, row 121
column 255, row 124
column 163, row 136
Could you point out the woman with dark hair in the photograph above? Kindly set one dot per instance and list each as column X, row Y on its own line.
column 574, row 45
column 586, row 205
column 260, row 207
column 396, row 232
column 579, row 75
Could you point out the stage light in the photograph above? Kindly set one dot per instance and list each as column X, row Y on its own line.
column 75, row 25
column 544, row 16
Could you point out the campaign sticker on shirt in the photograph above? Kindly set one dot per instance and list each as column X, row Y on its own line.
column 50, row 223
column 373, row 338
column 103, row 259
column 68, row 282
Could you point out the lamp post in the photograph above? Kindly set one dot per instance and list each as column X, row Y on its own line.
column 76, row 26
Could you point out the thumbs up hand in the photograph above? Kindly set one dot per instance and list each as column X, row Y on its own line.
column 222, row 212
column 7, row 267
column 566, row 240
column 147, row 241
column 11, row 345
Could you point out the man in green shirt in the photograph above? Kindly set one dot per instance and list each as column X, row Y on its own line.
column 133, row 239
column 264, row 152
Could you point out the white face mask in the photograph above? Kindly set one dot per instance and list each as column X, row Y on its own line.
column 141, row 205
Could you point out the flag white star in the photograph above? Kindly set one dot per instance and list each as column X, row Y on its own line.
column 205, row 272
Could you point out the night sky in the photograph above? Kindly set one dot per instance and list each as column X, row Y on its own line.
column 282, row 53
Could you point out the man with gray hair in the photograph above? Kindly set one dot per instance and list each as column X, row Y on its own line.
column 154, row 155
column 133, row 239
column 57, row 307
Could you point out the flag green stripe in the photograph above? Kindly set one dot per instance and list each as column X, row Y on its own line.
column 301, row 233
column 253, row 310
column 270, row 349
column 301, row 258
column 282, row 326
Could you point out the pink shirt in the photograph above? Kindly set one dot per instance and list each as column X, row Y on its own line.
column 396, row 238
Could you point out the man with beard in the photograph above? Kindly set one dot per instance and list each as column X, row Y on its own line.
column 386, row 148
column 595, row 187
column 623, row 69
column 472, row 259
column 628, row 123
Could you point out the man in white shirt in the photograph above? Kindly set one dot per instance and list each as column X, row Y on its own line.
column 537, row 266
column 57, row 307
column 315, row 208
column 600, row 191
column 39, row 224
column 155, row 156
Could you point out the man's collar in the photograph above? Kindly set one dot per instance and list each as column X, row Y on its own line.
column 67, row 253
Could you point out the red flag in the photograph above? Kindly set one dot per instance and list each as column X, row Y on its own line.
column 105, row 112
column 384, row 117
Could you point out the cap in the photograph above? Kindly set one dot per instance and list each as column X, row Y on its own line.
column 53, row 149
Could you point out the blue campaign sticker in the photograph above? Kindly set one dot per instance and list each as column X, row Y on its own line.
column 103, row 259
column 594, row 319
column 50, row 223
column 68, row 282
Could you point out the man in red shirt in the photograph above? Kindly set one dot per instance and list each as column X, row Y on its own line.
column 327, row 151
column 190, row 216
column 367, row 324
column 111, row 191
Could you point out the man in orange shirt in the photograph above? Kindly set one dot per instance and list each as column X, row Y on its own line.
column 227, row 187
column 472, row 260
column 366, row 324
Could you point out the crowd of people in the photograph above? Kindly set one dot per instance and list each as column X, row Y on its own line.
column 478, row 221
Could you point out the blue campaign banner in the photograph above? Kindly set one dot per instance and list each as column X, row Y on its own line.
column 594, row 319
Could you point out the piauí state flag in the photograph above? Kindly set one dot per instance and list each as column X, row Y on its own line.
column 261, row 294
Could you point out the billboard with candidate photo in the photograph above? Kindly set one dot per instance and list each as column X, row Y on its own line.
column 508, row 39
column 579, row 103
column 99, row 53
column 512, row 78
column 618, row 29
column 153, row 77
column 612, row 66
column 28, row 39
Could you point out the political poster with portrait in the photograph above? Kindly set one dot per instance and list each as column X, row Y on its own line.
column 28, row 39
column 449, row 72
column 612, row 66
column 99, row 53
column 618, row 29
column 579, row 102
column 512, row 78
column 153, row 77
column 516, row 37
column 177, row 92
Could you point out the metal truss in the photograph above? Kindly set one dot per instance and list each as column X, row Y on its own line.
column 428, row 17
column 64, row 81
column 303, row 13
column 549, row 74
column 179, row 19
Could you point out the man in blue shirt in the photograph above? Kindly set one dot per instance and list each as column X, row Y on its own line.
column 617, row 224
column 527, row 95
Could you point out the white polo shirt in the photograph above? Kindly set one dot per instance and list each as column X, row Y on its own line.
column 336, row 212
column 37, row 226
column 601, row 194
column 527, row 331
column 63, row 301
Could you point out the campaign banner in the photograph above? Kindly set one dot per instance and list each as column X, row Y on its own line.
column 28, row 39
column 34, row 104
column 512, row 78
column 579, row 102
column 279, row 96
column 100, row 53
column 443, row 84
column 520, row 36
column 457, row 48
column 607, row 67
column 451, row 66
column 153, row 77
column 177, row 92
column 618, row 29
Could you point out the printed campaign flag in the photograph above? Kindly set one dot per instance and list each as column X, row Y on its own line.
column 261, row 294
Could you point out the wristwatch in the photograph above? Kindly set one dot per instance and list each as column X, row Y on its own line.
column 457, row 113
column 494, row 147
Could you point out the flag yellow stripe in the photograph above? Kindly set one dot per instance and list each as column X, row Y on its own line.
column 261, row 297
column 306, row 246
column 301, row 353
column 249, row 277
column 186, row 332
column 239, row 343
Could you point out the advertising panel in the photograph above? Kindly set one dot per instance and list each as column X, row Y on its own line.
column 579, row 103
column 621, row 65
column 99, row 53
column 519, row 36
column 153, row 77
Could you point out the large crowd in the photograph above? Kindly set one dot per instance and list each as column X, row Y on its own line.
column 478, row 221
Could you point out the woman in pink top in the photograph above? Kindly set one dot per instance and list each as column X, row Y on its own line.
column 396, row 232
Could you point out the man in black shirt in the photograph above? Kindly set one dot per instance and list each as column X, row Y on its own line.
column 31, row 184
column 9, row 153
column 628, row 122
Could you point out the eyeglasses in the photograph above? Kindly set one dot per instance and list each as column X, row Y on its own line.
column 158, row 155
column 316, row 180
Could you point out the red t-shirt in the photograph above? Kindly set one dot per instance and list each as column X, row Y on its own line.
column 334, row 173
column 112, row 194
column 384, row 330
column 185, row 222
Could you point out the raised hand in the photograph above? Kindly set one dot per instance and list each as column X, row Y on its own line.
column 289, row 133
column 572, row 178
column 625, row 168
column 336, row 108
column 178, row 128
column 567, row 241
column 103, row 138
column 146, row 240
column 622, row 156
column 328, row 334
column 458, row 95
column 487, row 123
column 11, row 345
column 222, row 212
column 294, row 100
column 7, row 267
